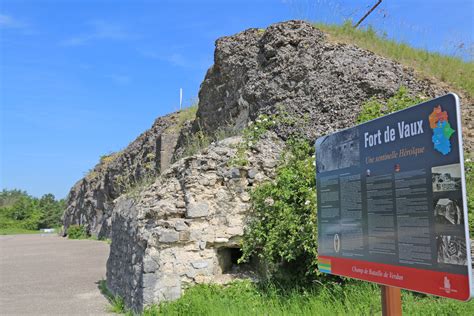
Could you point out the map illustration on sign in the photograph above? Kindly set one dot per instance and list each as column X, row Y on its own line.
column 391, row 201
column 442, row 130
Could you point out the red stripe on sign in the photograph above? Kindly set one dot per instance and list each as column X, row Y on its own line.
column 450, row 285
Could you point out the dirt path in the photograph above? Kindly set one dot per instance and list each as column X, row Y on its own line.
column 50, row 275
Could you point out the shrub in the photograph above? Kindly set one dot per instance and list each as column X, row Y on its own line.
column 282, row 230
column 374, row 108
column 77, row 232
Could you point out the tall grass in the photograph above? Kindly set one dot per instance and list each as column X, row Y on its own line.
column 184, row 115
column 451, row 70
column 354, row 298
column 117, row 304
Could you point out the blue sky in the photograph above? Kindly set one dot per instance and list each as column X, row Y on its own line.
column 79, row 79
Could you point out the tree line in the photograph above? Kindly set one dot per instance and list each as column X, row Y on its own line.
column 19, row 210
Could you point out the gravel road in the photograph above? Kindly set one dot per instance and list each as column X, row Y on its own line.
column 51, row 275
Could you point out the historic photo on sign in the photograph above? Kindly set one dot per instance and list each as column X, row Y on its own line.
column 448, row 211
column 446, row 178
column 337, row 151
column 451, row 249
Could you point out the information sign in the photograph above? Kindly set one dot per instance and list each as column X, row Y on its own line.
column 392, row 201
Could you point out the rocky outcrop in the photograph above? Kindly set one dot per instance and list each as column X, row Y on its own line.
column 186, row 227
column 91, row 200
column 292, row 68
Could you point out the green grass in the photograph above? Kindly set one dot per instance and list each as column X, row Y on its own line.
column 454, row 71
column 117, row 304
column 184, row 115
column 354, row 298
column 17, row 231
column 106, row 240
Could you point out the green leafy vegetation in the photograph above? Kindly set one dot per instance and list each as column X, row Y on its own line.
column 185, row 115
column 250, row 135
column 133, row 187
column 117, row 304
column 106, row 159
column 126, row 184
column 22, row 213
column 196, row 142
column 469, row 169
column 77, row 232
column 285, row 209
column 80, row 232
column 374, row 108
column 451, row 70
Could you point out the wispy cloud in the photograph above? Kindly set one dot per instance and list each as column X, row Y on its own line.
column 177, row 59
column 119, row 79
column 9, row 22
column 99, row 30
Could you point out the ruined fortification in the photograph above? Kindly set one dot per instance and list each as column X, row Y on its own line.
column 183, row 225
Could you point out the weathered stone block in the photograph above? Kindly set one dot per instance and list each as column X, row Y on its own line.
column 172, row 293
column 180, row 225
column 202, row 264
column 235, row 173
column 169, row 236
column 180, row 204
column 150, row 280
column 149, row 265
column 221, row 240
column 184, row 235
column 252, row 173
column 245, row 196
column 197, row 210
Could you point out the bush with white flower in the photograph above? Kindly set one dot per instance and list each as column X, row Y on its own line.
column 282, row 229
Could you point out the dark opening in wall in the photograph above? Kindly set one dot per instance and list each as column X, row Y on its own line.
column 228, row 259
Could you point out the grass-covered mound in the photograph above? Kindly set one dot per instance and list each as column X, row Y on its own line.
column 451, row 70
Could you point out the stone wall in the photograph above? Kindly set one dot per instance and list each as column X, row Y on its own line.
column 186, row 227
column 91, row 200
